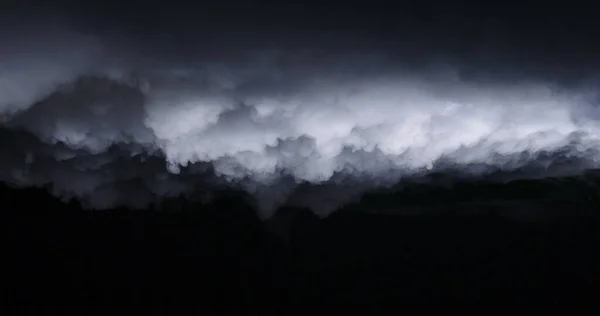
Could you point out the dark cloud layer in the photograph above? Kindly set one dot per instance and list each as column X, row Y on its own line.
column 129, row 112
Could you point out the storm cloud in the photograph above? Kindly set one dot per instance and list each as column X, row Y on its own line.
column 109, row 125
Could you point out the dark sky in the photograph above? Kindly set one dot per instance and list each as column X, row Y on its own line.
column 537, row 36
column 539, row 23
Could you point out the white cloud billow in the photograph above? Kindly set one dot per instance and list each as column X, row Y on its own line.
column 258, row 122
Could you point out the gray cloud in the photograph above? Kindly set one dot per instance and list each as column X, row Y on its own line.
column 112, row 131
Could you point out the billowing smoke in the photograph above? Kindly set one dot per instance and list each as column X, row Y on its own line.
column 113, row 128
